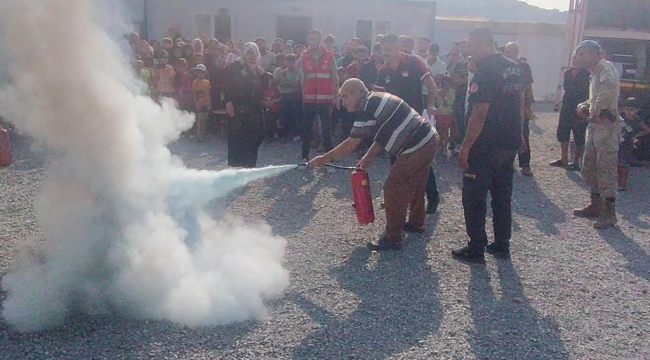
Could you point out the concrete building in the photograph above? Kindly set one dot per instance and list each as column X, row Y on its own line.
column 543, row 45
column 288, row 19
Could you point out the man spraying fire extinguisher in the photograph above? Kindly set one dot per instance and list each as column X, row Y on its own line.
column 403, row 133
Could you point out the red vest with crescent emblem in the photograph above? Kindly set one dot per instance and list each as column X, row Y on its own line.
column 318, row 84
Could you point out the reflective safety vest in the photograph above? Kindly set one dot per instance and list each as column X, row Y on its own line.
column 318, row 83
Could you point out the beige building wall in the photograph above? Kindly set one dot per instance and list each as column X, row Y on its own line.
column 253, row 18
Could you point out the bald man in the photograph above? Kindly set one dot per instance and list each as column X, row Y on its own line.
column 511, row 51
column 397, row 128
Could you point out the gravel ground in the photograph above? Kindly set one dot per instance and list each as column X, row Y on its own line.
column 569, row 292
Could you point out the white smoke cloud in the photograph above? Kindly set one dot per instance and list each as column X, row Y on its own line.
column 123, row 220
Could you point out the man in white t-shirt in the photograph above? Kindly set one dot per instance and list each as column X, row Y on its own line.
column 434, row 64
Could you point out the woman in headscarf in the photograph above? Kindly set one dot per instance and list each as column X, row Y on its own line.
column 244, row 97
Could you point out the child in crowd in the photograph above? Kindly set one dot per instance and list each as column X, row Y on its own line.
column 148, row 58
column 271, row 102
column 144, row 75
column 633, row 128
column 167, row 44
column 188, row 54
column 183, row 86
column 164, row 76
column 175, row 54
column 202, row 100
column 445, row 104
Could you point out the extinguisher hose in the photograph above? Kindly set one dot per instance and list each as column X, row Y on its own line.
column 333, row 166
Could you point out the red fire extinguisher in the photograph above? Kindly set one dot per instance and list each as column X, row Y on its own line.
column 5, row 148
column 362, row 196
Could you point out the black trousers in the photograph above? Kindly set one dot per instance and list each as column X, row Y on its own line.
column 489, row 171
column 432, row 187
column 460, row 118
column 245, row 137
column 290, row 114
column 324, row 112
column 524, row 156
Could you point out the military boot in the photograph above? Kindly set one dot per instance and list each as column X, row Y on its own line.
column 592, row 210
column 607, row 217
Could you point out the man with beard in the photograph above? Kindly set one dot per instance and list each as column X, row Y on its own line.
column 491, row 143
column 320, row 90
column 403, row 75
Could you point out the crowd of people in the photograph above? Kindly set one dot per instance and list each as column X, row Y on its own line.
column 400, row 96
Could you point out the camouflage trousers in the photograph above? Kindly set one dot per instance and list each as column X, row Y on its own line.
column 601, row 158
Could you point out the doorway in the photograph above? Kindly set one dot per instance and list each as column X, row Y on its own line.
column 223, row 25
column 294, row 28
column 366, row 30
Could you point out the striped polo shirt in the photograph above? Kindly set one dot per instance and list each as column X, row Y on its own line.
column 392, row 123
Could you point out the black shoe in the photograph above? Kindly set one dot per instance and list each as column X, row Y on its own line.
column 385, row 245
column 499, row 250
column 410, row 228
column 469, row 255
column 573, row 167
column 432, row 205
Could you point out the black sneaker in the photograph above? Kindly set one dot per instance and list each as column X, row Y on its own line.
column 469, row 255
column 410, row 228
column 499, row 250
column 385, row 245
column 573, row 167
column 432, row 205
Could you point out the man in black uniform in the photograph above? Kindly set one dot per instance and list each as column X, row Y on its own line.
column 403, row 75
column 491, row 143
column 511, row 51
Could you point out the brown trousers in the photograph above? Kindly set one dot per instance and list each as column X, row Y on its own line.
column 404, row 189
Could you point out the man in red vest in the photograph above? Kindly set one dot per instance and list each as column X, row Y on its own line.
column 320, row 90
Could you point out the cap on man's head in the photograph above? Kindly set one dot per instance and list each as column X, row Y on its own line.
column 631, row 103
column 589, row 44
column 260, row 39
column 200, row 67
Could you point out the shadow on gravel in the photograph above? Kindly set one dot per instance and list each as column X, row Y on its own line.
column 535, row 129
column 88, row 337
column 507, row 326
column 531, row 201
column 638, row 260
column 292, row 208
column 577, row 178
column 635, row 202
column 398, row 307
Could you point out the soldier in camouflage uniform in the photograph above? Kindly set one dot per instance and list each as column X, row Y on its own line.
column 603, row 134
